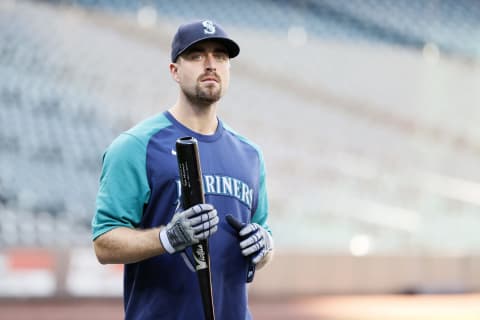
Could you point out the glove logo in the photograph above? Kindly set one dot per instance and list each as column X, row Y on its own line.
column 209, row 27
column 199, row 256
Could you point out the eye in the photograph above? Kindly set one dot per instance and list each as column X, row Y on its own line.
column 196, row 56
column 221, row 56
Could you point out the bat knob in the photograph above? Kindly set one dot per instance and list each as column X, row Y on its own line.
column 236, row 224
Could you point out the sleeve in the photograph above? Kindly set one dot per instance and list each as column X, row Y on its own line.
column 261, row 213
column 124, row 187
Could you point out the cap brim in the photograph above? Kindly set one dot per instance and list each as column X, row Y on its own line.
column 232, row 47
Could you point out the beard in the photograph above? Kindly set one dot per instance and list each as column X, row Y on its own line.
column 203, row 96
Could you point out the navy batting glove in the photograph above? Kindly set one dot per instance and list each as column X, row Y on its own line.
column 189, row 227
column 256, row 241
column 238, row 225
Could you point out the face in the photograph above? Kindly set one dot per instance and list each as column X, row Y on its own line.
column 203, row 72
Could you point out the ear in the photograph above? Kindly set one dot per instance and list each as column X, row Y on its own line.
column 174, row 71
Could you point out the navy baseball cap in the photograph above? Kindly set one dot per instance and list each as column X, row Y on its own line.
column 191, row 33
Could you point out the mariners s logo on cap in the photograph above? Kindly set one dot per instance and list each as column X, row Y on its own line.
column 209, row 27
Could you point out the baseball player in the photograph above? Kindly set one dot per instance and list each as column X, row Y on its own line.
column 138, row 220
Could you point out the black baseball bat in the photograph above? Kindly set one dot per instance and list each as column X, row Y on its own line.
column 192, row 194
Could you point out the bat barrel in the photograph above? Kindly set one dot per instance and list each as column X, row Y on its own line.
column 190, row 172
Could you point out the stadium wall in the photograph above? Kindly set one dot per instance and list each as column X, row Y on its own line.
column 75, row 273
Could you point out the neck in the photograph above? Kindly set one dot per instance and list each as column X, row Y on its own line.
column 200, row 119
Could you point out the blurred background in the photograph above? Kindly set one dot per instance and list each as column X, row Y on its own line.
column 367, row 113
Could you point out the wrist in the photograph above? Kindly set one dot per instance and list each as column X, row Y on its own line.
column 163, row 237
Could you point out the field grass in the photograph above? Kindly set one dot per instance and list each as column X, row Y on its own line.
column 371, row 307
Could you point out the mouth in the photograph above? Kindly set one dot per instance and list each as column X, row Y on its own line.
column 209, row 80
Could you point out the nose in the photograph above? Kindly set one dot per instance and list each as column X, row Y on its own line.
column 210, row 62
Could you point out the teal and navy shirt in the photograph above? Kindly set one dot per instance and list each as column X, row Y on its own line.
column 139, row 188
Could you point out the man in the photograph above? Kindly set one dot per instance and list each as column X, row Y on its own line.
column 138, row 221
